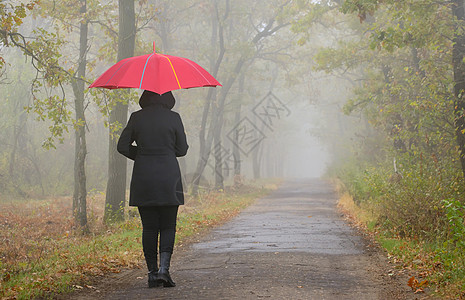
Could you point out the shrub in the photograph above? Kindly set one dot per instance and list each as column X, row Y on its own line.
column 413, row 204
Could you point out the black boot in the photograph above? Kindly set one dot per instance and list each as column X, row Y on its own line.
column 164, row 277
column 153, row 274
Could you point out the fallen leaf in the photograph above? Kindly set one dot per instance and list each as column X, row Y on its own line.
column 413, row 282
column 423, row 283
column 416, row 285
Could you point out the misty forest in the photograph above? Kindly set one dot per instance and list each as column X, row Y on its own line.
column 367, row 94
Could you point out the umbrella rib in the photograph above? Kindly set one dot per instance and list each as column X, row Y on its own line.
column 143, row 72
column 187, row 61
column 174, row 71
column 116, row 72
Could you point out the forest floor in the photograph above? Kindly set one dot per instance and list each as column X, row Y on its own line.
column 292, row 244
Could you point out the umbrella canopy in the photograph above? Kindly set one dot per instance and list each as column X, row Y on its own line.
column 155, row 72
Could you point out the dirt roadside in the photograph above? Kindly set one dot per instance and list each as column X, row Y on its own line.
column 292, row 244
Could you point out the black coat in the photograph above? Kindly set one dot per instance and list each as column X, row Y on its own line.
column 160, row 138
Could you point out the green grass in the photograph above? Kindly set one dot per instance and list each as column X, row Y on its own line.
column 391, row 245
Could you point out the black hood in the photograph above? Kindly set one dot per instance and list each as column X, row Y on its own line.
column 149, row 98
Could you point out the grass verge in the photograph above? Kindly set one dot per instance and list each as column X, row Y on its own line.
column 432, row 266
column 43, row 253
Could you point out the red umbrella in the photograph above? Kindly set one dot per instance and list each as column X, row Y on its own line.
column 155, row 72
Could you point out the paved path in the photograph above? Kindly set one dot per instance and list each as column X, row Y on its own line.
column 289, row 245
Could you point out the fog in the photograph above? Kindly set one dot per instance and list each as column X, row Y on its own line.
column 271, row 93
column 307, row 156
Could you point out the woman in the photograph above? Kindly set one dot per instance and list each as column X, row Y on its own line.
column 156, row 186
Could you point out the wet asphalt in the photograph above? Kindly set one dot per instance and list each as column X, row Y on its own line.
column 299, row 217
column 292, row 244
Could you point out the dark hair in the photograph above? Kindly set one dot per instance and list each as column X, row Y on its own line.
column 149, row 98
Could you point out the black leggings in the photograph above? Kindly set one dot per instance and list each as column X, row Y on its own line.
column 158, row 219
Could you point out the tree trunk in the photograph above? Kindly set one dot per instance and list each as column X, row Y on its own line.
column 205, row 145
column 219, row 176
column 80, row 189
column 237, row 118
column 256, row 161
column 458, row 52
column 216, row 124
column 257, row 155
column 117, row 164
column 20, row 148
